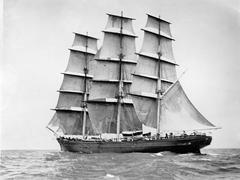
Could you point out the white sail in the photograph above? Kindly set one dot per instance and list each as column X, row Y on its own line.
column 115, row 21
column 69, row 123
column 68, row 100
column 74, row 64
column 178, row 113
column 106, row 89
column 153, row 70
column 156, row 30
column 146, row 110
column 106, row 65
column 168, row 72
column 153, row 25
column 82, row 41
column 143, row 83
column 72, row 83
column 69, row 116
column 111, row 46
column 103, row 117
column 151, row 46
column 147, row 71
column 110, row 70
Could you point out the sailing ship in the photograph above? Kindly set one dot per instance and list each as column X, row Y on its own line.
column 114, row 99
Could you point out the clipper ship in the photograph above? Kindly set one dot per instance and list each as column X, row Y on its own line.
column 114, row 99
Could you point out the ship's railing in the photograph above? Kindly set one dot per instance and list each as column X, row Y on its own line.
column 147, row 136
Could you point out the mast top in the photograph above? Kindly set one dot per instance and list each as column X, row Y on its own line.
column 158, row 18
column 121, row 16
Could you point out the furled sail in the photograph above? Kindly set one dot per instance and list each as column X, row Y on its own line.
column 113, row 67
column 73, row 92
column 152, row 68
column 178, row 113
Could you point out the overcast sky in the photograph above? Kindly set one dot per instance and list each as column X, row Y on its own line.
column 38, row 33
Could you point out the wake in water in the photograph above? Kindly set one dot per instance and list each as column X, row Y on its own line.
column 212, row 164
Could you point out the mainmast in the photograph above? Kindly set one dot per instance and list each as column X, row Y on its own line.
column 85, row 69
column 159, row 84
column 120, row 83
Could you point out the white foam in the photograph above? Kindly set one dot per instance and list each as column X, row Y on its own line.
column 110, row 175
column 212, row 154
column 159, row 154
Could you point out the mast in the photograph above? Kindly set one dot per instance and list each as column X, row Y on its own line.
column 155, row 71
column 85, row 69
column 120, row 83
column 155, row 74
column 159, row 84
column 109, row 105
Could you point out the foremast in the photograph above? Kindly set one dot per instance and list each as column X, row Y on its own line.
column 71, row 117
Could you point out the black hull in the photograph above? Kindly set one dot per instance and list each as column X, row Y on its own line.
column 189, row 144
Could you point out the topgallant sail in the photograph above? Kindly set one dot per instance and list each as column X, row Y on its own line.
column 113, row 99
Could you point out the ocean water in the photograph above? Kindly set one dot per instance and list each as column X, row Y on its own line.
column 212, row 164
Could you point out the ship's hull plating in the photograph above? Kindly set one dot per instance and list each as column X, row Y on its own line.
column 178, row 145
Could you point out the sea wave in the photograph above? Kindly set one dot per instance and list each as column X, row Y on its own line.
column 213, row 164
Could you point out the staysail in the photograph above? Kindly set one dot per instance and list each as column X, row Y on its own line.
column 110, row 109
column 178, row 113
column 71, row 114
